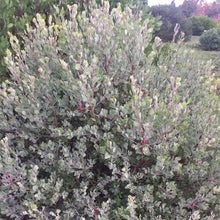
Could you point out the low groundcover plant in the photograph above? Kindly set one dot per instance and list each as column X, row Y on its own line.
column 95, row 125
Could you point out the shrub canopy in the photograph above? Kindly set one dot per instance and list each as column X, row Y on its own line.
column 210, row 40
column 92, row 127
column 202, row 23
column 15, row 14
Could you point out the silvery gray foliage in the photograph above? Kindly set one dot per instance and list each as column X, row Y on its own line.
column 93, row 128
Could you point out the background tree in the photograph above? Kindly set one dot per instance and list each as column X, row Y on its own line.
column 170, row 16
column 214, row 11
column 188, row 7
column 202, row 7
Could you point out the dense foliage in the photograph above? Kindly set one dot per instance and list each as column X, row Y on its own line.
column 210, row 40
column 188, row 7
column 170, row 16
column 92, row 128
column 201, row 24
column 15, row 14
column 214, row 10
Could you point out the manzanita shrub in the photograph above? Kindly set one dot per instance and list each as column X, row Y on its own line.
column 93, row 128
column 14, row 14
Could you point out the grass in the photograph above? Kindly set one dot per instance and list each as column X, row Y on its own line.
column 205, row 55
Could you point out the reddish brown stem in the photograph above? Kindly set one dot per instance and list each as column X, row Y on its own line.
column 106, row 64
column 55, row 118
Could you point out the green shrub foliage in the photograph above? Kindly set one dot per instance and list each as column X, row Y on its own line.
column 92, row 128
column 202, row 23
column 14, row 15
column 210, row 40
column 170, row 16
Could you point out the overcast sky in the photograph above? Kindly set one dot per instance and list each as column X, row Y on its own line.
column 161, row 2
